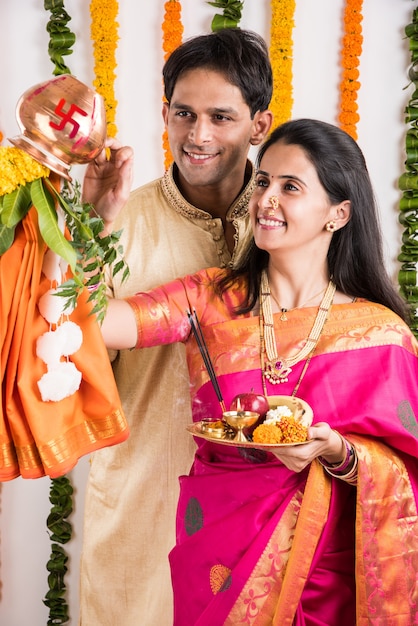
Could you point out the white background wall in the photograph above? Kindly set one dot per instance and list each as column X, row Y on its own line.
column 384, row 93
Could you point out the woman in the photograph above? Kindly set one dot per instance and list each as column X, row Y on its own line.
column 324, row 533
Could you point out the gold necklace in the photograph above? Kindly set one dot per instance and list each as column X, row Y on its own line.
column 277, row 369
column 283, row 311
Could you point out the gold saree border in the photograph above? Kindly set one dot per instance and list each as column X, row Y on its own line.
column 386, row 547
column 58, row 456
column 312, row 519
column 387, row 538
column 375, row 326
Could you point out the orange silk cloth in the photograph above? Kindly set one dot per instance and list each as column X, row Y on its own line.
column 47, row 438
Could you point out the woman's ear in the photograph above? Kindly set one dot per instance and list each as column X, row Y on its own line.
column 343, row 213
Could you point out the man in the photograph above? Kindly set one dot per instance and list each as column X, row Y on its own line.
column 218, row 88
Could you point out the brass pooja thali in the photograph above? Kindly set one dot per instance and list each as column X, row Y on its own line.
column 222, row 432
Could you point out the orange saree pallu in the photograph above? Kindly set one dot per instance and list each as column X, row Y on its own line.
column 37, row 437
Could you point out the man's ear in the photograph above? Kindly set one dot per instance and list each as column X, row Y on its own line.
column 165, row 110
column 261, row 125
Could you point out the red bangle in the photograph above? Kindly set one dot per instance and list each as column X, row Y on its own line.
column 340, row 467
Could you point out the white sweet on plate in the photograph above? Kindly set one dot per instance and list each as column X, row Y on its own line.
column 274, row 416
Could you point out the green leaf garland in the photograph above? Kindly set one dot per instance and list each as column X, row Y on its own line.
column 61, row 38
column 231, row 14
column 60, row 496
column 408, row 184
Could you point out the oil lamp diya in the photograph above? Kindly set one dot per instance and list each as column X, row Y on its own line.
column 238, row 420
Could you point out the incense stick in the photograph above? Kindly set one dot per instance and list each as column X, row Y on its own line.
column 197, row 331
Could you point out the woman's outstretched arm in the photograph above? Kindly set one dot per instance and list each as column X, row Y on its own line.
column 119, row 328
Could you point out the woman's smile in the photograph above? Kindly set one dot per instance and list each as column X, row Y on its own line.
column 270, row 222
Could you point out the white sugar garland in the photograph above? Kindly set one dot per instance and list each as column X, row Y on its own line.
column 62, row 378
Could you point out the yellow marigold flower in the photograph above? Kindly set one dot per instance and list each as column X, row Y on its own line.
column 17, row 168
column 281, row 56
column 104, row 34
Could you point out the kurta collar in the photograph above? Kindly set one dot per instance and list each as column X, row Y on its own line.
column 237, row 209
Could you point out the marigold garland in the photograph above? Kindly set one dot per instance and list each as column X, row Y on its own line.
column 17, row 168
column 281, row 57
column 351, row 51
column 104, row 34
column 172, row 28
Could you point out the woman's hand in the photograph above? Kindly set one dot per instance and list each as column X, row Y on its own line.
column 108, row 180
column 323, row 441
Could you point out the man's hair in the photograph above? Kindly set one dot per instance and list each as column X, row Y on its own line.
column 240, row 55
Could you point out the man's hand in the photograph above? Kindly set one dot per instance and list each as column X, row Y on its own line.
column 107, row 181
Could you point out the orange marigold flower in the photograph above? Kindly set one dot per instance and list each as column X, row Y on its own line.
column 351, row 50
column 287, row 430
column 172, row 28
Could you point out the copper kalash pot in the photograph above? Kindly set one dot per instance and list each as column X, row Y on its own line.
column 62, row 122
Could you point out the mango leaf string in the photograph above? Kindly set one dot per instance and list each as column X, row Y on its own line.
column 61, row 38
column 231, row 14
column 60, row 496
column 408, row 184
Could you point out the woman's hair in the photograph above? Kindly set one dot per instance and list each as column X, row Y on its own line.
column 240, row 55
column 355, row 255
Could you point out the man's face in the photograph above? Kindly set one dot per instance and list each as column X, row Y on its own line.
column 209, row 128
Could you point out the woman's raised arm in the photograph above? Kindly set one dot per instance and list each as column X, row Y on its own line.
column 119, row 328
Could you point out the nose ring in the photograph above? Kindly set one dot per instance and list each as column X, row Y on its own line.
column 274, row 201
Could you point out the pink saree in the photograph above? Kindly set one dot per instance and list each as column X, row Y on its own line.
column 258, row 544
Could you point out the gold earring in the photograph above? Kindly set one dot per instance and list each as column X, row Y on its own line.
column 331, row 226
column 274, row 201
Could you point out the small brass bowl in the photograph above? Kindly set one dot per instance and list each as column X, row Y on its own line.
column 239, row 420
column 213, row 428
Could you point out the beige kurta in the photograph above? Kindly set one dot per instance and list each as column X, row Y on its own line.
column 132, row 488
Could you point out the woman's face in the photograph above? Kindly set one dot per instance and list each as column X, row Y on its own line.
column 296, row 220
